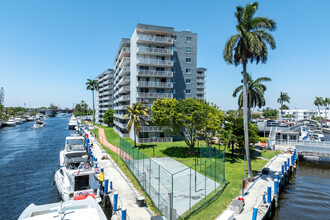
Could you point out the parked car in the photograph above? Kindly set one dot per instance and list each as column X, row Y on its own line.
column 272, row 123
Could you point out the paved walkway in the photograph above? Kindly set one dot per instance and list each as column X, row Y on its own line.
column 258, row 187
column 126, row 192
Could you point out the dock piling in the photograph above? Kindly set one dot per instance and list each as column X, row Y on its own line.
column 269, row 194
column 123, row 213
column 115, row 200
column 255, row 213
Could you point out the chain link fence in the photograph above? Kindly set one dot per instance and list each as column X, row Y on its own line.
column 170, row 184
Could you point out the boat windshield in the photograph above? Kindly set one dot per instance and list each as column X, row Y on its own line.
column 75, row 142
column 81, row 183
column 317, row 132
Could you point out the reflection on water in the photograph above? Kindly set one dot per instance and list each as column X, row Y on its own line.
column 307, row 195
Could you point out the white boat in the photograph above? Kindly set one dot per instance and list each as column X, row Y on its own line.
column 73, row 123
column 38, row 124
column 86, row 209
column 319, row 134
column 18, row 121
column 31, row 118
column 23, row 120
column 78, row 183
column 11, row 122
column 74, row 152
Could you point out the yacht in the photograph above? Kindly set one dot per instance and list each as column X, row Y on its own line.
column 77, row 183
column 38, row 123
column 31, row 118
column 74, row 151
column 319, row 134
column 11, row 122
column 18, row 120
column 86, row 209
column 73, row 123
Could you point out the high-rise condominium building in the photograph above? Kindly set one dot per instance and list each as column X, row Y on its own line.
column 104, row 96
column 156, row 62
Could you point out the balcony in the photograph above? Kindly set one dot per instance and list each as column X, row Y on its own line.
column 120, row 116
column 155, row 73
column 154, row 95
column 124, row 89
column 159, row 139
column 154, row 39
column 154, row 51
column 123, row 126
column 123, row 62
column 200, row 86
column 124, row 80
column 120, row 107
column 200, row 92
column 120, row 133
column 200, row 80
column 151, row 129
column 154, row 62
column 153, row 84
column 123, row 72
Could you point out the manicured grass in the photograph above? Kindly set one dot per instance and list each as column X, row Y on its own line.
column 234, row 166
column 128, row 173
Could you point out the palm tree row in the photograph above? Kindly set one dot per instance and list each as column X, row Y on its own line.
column 93, row 85
column 249, row 44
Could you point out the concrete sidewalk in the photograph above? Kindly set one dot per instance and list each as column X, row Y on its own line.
column 255, row 190
column 126, row 192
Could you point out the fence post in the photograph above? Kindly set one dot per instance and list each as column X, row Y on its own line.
column 149, row 174
column 215, row 174
column 205, row 180
column 158, row 185
column 190, row 189
column 170, row 206
column 172, row 193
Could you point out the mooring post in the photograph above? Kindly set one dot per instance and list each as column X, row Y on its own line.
column 282, row 169
column 277, row 176
column 255, row 213
column 111, row 188
column 115, row 200
column 269, row 194
column 288, row 163
column 106, row 184
column 285, row 165
column 102, row 174
column 123, row 213
column 264, row 197
column 276, row 187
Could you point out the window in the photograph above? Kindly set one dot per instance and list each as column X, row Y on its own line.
column 188, row 39
column 188, row 71
column 188, row 49
column 187, row 91
column 188, row 60
column 173, row 37
column 188, row 81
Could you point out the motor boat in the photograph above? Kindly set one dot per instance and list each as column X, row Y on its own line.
column 11, row 122
column 38, row 123
column 31, row 118
column 73, row 123
column 74, row 151
column 18, row 120
column 75, row 183
column 86, row 209
column 319, row 134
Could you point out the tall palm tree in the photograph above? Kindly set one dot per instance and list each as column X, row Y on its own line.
column 318, row 102
column 135, row 113
column 255, row 91
column 284, row 97
column 93, row 85
column 249, row 44
column 326, row 102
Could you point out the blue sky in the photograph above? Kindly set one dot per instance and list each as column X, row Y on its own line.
column 49, row 48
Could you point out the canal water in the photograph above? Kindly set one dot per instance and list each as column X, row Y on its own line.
column 28, row 158
column 307, row 196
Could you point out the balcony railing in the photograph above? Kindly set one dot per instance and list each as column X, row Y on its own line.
column 200, row 80
column 151, row 129
column 123, row 98
column 153, row 50
column 120, row 116
column 121, row 125
column 153, row 84
column 154, row 95
column 155, row 62
column 120, row 107
column 149, row 140
column 166, row 40
column 124, row 61
column 200, row 86
column 155, row 73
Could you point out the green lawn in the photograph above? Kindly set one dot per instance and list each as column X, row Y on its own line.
column 234, row 166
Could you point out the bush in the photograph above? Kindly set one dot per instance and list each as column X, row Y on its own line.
column 263, row 139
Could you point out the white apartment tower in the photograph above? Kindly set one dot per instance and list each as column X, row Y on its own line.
column 156, row 62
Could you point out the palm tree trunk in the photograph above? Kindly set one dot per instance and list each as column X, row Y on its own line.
column 134, row 135
column 249, row 114
column 93, row 109
column 325, row 112
column 246, row 123
column 281, row 111
column 319, row 113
